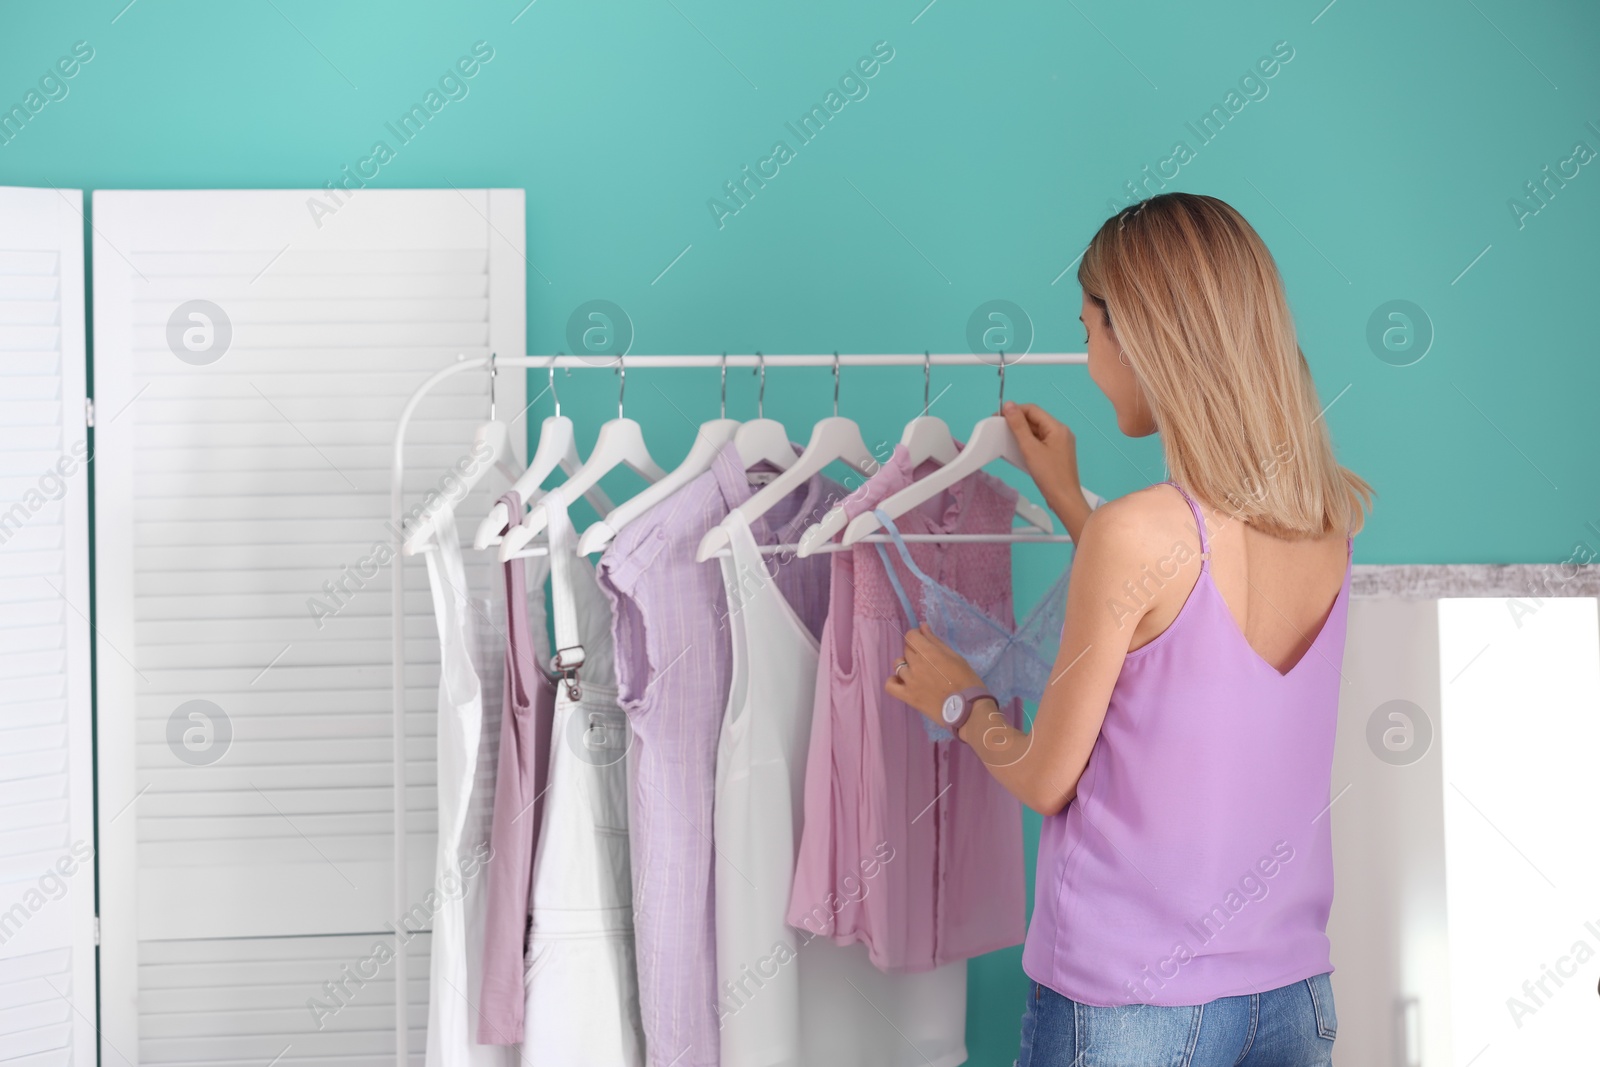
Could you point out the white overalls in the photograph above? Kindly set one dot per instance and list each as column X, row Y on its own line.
column 583, row 990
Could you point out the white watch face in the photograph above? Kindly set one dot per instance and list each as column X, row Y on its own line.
column 953, row 706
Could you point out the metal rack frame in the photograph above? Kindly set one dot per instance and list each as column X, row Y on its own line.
column 1000, row 361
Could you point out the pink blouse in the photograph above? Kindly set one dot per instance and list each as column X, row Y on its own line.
column 909, row 844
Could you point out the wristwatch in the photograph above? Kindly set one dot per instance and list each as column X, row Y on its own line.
column 957, row 707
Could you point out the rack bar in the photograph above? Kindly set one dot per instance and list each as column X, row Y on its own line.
column 826, row 359
column 537, row 551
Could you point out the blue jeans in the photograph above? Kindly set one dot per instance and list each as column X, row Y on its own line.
column 1292, row 1026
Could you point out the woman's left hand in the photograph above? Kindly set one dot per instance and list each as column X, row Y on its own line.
column 932, row 671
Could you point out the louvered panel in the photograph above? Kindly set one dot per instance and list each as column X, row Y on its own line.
column 33, row 335
column 255, row 484
column 428, row 277
column 399, row 360
column 243, row 402
column 38, row 1027
column 258, row 435
column 15, row 438
column 242, row 499
column 250, row 311
column 26, row 414
column 315, row 1001
column 318, row 261
column 220, row 602
column 156, row 461
column 47, row 976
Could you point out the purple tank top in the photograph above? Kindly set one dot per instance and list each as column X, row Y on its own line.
column 1195, row 861
column 527, row 713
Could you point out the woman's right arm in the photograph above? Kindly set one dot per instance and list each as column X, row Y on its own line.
column 1041, row 767
column 1051, row 453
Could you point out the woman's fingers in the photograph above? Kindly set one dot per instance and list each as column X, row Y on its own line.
column 1037, row 433
column 899, row 683
column 935, row 663
column 1046, row 423
column 1022, row 427
column 930, row 644
column 1043, row 423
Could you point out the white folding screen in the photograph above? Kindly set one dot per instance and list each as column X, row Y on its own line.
column 252, row 357
column 47, row 959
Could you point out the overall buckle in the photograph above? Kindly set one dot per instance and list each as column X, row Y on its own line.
column 565, row 664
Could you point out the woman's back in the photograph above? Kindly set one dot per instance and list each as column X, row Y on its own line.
column 1195, row 860
column 1279, row 592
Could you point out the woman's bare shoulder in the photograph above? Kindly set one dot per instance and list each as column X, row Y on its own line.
column 1145, row 520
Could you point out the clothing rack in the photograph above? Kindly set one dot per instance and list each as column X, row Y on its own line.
column 999, row 361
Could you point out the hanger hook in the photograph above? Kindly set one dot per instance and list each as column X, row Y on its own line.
column 835, row 383
column 761, row 390
column 494, row 370
column 622, row 383
column 724, row 385
column 553, row 394
column 1002, row 377
column 927, row 378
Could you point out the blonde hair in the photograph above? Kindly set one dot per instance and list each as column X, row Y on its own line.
column 1197, row 305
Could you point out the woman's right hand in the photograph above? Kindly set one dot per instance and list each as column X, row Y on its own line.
column 1051, row 453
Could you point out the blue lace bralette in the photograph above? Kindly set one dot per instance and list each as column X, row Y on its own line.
column 1012, row 662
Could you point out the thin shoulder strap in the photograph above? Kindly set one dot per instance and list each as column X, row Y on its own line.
column 1199, row 521
column 899, row 590
column 888, row 566
column 900, row 544
column 519, row 658
column 513, row 502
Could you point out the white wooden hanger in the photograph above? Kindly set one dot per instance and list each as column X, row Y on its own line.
column 991, row 439
column 926, row 437
column 619, row 443
column 491, row 434
column 557, row 449
column 833, row 438
column 708, row 441
column 763, row 440
column 489, row 447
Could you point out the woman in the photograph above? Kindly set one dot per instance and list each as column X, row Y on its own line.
column 1182, row 753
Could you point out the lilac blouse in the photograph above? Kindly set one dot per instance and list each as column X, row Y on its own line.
column 670, row 621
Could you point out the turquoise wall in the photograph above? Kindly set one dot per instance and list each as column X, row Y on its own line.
column 1386, row 159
